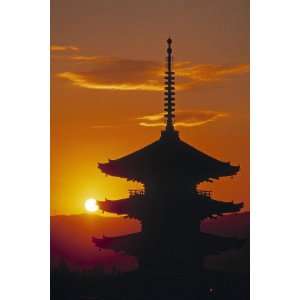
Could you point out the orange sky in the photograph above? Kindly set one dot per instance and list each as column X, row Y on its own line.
column 106, row 98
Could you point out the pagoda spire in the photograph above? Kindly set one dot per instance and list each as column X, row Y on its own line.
column 169, row 103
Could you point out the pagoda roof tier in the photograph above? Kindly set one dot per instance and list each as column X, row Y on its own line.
column 168, row 156
column 133, row 244
column 134, row 207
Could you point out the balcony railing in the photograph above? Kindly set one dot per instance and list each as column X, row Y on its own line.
column 135, row 193
column 141, row 192
column 205, row 194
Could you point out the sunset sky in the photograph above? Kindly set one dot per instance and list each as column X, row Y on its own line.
column 106, row 89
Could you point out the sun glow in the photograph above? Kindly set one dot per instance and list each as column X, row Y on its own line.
column 91, row 205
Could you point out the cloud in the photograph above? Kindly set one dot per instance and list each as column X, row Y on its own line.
column 118, row 74
column 201, row 74
column 82, row 81
column 83, row 58
column 106, row 73
column 183, row 118
column 63, row 48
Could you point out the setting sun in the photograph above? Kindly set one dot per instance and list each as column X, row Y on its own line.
column 91, row 205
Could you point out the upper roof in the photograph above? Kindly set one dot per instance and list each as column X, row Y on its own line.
column 168, row 156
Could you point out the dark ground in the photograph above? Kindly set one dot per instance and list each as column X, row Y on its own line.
column 96, row 285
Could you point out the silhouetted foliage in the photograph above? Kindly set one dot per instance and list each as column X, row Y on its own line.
column 96, row 285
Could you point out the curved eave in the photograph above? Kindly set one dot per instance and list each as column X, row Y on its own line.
column 168, row 156
column 129, row 244
column 135, row 207
column 114, row 168
column 231, row 170
column 219, row 208
column 226, row 170
column 132, row 244
column 120, row 207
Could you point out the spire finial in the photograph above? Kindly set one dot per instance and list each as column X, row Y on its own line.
column 169, row 90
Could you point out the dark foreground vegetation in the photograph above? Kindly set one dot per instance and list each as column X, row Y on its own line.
column 97, row 285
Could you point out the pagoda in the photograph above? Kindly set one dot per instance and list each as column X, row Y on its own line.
column 170, row 207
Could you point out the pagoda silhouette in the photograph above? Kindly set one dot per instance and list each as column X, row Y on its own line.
column 171, row 207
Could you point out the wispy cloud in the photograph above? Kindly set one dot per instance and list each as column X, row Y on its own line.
column 84, row 58
column 183, row 118
column 63, row 48
column 201, row 74
column 118, row 74
column 82, row 81
column 106, row 73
